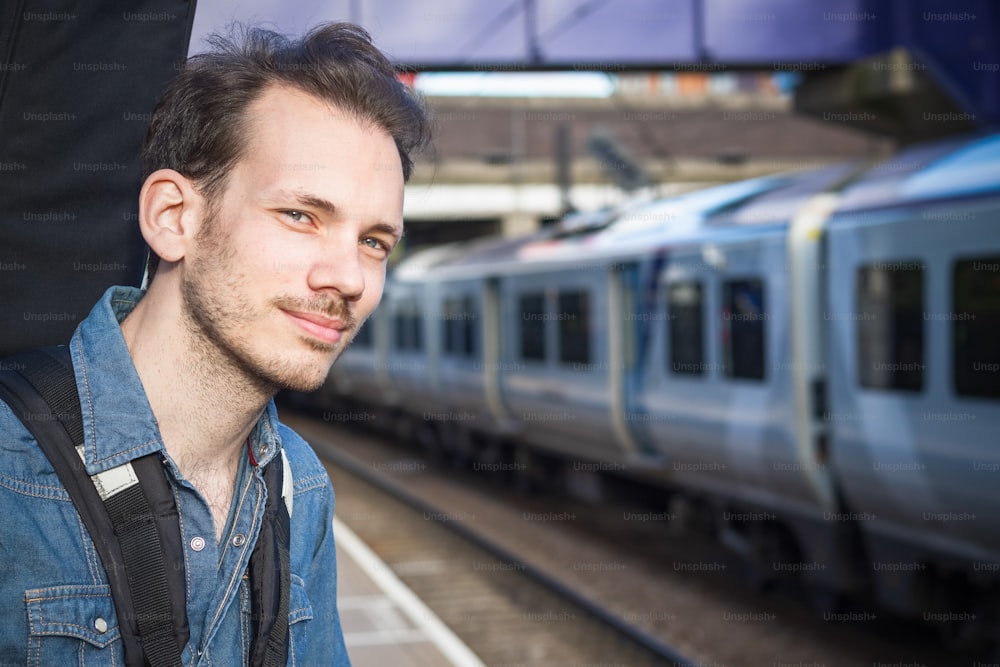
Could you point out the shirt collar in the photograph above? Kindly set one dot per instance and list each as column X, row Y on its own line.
column 264, row 440
column 118, row 422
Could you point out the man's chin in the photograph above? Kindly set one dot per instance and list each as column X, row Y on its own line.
column 309, row 378
column 301, row 382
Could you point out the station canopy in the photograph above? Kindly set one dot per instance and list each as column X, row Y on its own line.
column 855, row 55
column 469, row 34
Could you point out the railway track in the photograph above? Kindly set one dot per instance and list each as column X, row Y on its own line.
column 484, row 590
column 535, row 581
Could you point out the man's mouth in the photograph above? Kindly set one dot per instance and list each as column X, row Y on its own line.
column 320, row 326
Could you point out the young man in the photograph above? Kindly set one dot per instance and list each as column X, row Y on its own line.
column 273, row 198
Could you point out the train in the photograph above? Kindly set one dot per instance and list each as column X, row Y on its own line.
column 807, row 362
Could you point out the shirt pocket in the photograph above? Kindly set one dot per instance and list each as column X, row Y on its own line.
column 300, row 615
column 69, row 625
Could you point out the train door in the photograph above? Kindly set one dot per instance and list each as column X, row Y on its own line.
column 556, row 337
column 459, row 366
column 680, row 384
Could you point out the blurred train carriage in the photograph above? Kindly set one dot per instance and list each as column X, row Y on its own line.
column 812, row 359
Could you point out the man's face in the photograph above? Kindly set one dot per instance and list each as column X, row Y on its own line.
column 292, row 259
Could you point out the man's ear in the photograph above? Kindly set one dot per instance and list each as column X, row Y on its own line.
column 169, row 213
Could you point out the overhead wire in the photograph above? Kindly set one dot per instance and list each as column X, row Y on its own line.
column 489, row 30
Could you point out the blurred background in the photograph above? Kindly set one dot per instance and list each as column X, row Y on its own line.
column 689, row 355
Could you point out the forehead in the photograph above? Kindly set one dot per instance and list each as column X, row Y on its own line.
column 295, row 140
column 285, row 116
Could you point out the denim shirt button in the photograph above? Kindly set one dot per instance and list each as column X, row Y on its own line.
column 239, row 540
column 101, row 625
column 198, row 543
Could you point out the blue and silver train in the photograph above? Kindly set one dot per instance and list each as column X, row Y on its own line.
column 810, row 360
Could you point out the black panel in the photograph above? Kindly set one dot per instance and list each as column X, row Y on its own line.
column 77, row 85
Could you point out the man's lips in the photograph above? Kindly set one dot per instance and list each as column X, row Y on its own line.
column 320, row 326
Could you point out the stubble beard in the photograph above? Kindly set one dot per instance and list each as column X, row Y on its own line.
column 221, row 319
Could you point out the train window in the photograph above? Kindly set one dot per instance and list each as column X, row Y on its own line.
column 574, row 328
column 417, row 329
column 458, row 316
column 401, row 328
column 976, row 327
column 409, row 332
column 467, row 324
column 533, row 318
column 685, row 309
column 743, row 338
column 890, row 329
column 449, row 312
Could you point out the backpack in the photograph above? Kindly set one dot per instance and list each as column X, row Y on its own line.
column 128, row 508
column 78, row 83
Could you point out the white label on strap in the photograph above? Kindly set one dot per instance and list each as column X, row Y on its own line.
column 112, row 481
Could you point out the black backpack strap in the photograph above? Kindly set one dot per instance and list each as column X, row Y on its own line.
column 145, row 517
column 270, row 574
column 40, row 388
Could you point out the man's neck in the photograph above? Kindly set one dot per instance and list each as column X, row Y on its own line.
column 205, row 407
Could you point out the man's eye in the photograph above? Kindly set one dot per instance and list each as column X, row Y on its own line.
column 297, row 216
column 375, row 244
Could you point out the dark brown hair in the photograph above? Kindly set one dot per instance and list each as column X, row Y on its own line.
column 199, row 125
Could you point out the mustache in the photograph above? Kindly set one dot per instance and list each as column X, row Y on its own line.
column 331, row 307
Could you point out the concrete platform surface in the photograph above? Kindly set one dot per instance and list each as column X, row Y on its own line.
column 385, row 624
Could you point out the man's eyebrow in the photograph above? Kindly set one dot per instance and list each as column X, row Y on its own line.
column 392, row 230
column 309, row 200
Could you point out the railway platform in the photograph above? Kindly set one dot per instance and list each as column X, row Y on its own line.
column 384, row 622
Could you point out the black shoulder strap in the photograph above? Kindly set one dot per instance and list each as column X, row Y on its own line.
column 149, row 599
column 270, row 574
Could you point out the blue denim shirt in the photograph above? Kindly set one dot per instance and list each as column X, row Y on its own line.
column 55, row 604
